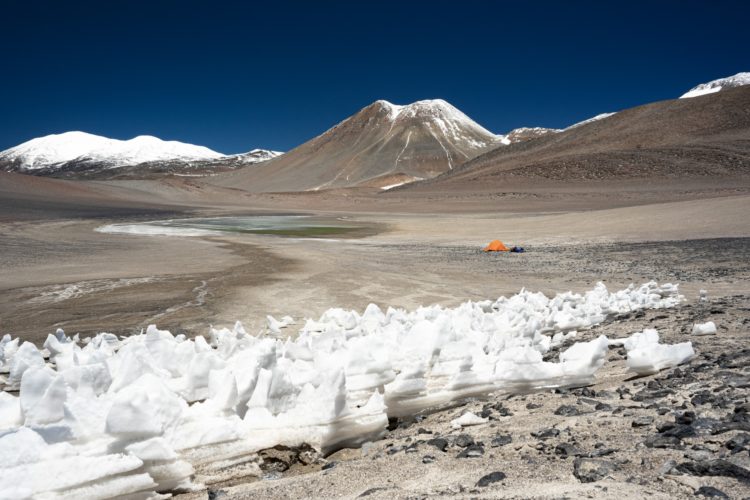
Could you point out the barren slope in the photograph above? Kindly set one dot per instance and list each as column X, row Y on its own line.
column 703, row 137
column 421, row 140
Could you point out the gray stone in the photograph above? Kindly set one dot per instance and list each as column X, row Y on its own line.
column 642, row 421
column 473, row 451
column 463, row 440
column 492, row 477
column 589, row 470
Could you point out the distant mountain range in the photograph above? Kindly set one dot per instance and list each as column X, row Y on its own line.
column 383, row 145
column 78, row 154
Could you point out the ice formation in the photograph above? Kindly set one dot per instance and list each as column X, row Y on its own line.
column 647, row 356
column 708, row 328
column 468, row 419
column 157, row 412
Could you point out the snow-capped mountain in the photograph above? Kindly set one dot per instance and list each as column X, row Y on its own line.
column 79, row 154
column 44, row 152
column 376, row 145
column 729, row 82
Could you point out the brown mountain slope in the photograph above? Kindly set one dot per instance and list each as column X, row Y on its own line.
column 421, row 140
column 700, row 137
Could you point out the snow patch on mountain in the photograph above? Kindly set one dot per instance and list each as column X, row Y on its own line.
column 254, row 156
column 717, row 85
column 527, row 133
column 596, row 118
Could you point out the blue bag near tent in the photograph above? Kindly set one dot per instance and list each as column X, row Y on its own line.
column 517, row 250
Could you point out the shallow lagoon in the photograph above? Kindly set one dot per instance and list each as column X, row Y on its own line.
column 298, row 226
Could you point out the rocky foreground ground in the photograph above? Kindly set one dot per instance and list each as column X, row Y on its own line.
column 680, row 433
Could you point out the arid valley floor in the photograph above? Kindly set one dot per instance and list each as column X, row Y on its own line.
column 57, row 272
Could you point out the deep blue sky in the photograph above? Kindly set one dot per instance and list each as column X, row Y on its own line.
column 238, row 76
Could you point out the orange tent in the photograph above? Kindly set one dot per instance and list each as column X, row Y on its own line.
column 496, row 246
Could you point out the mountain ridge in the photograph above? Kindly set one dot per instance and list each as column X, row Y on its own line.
column 381, row 140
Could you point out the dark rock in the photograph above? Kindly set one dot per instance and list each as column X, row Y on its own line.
column 567, row 450
column 329, row 465
column 737, row 443
column 216, row 494
column 589, row 393
column 485, row 413
column 685, row 418
column 679, row 431
column 422, row 430
column 492, row 477
column 412, row 448
column 473, row 451
column 658, row 441
column 501, row 440
column 603, row 407
column 602, row 452
column 588, row 470
column 546, row 433
column 567, row 411
column 532, row 406
column 428, row 459
column 502, row 410
column 277, row 459
column 393, row 424
column 716, row 467
column 702, row 398
column 710, row 492
column 463, row 440
column 307, row 455
column 642, row 421
column 439, row 443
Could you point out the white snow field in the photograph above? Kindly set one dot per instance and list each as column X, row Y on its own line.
column 132, row 416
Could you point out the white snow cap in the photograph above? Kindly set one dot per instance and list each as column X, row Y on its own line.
column 68, row 146
column 713, row 86
column 449, row 119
